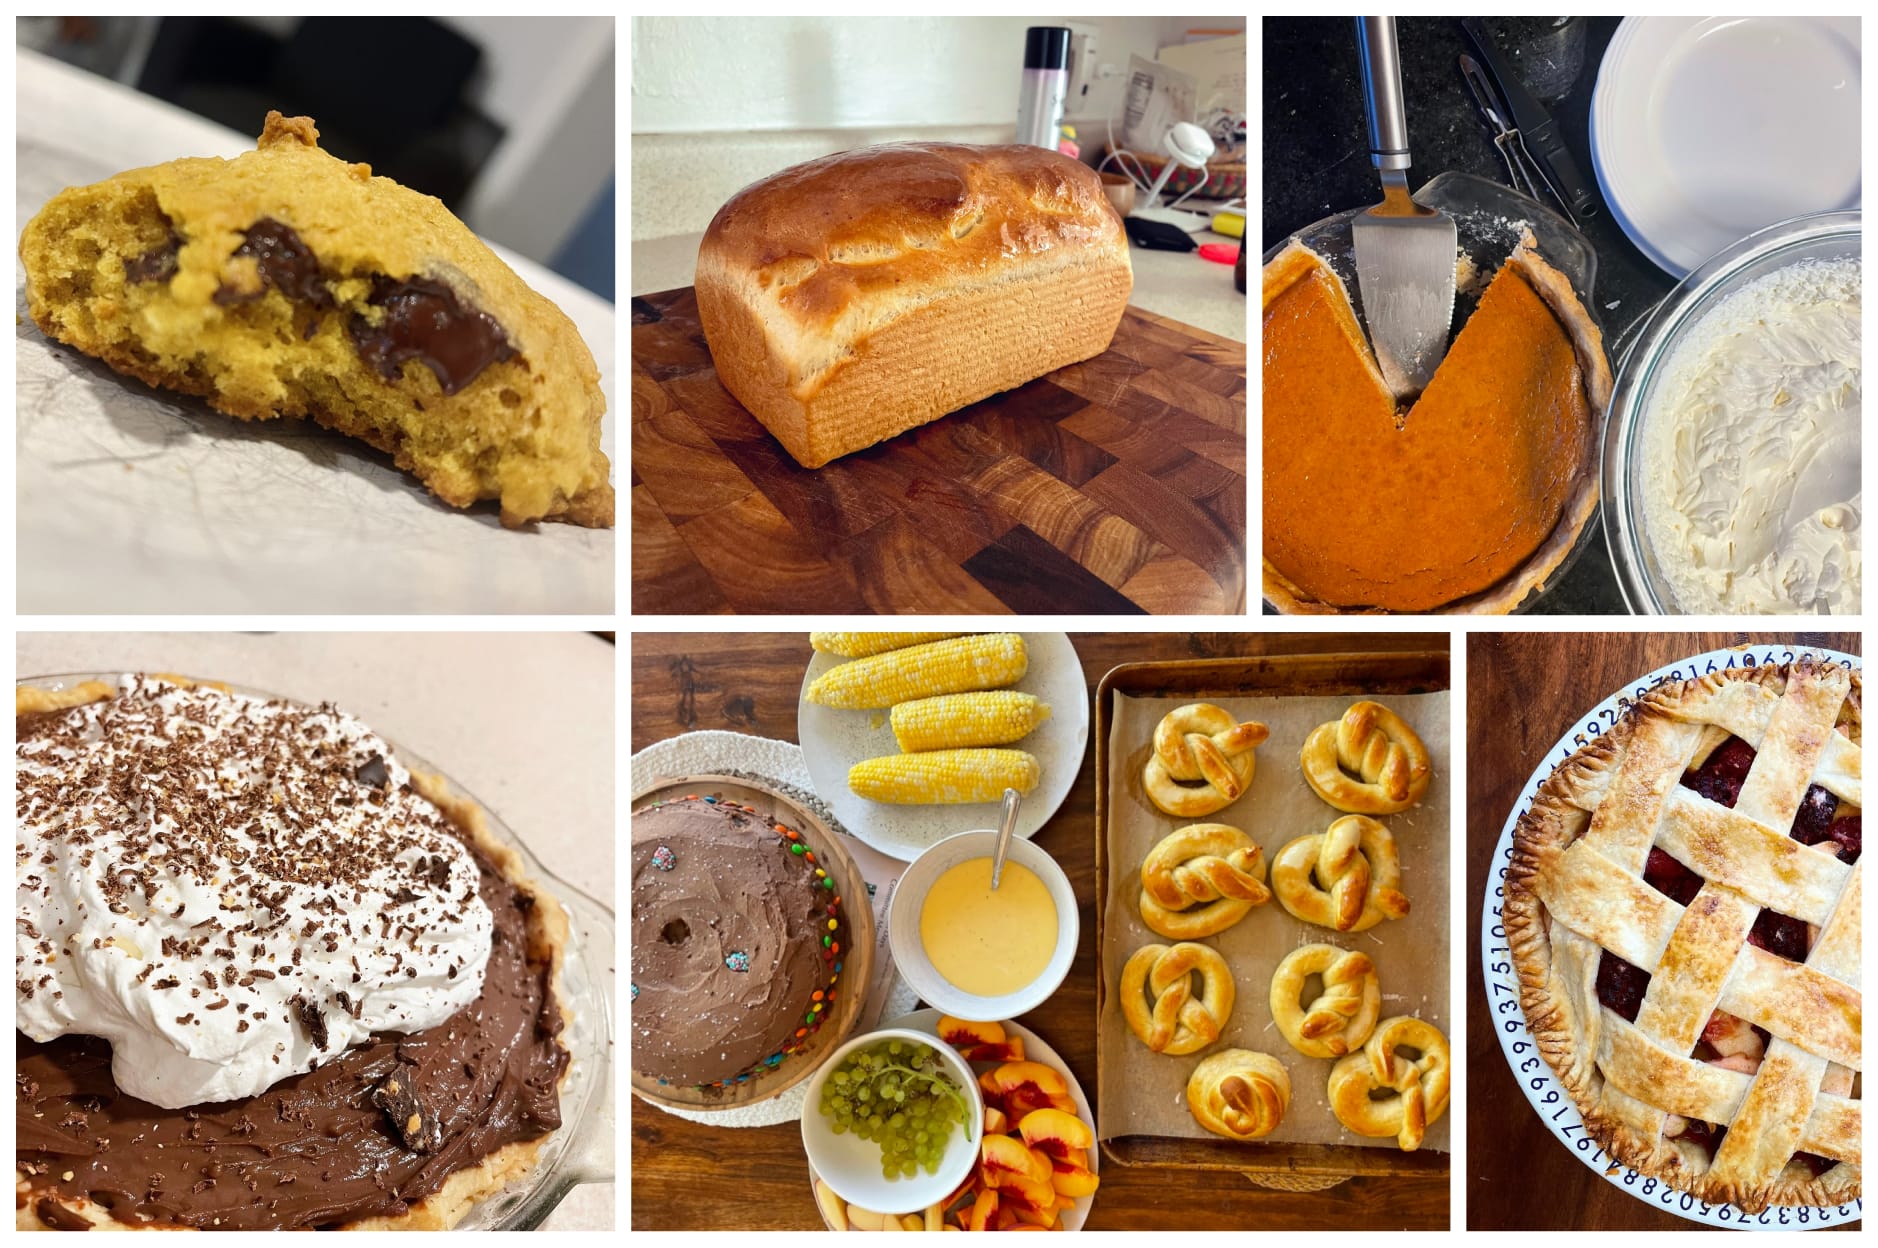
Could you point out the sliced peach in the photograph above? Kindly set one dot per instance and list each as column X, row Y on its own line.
column 1073, row 1184
column 995, row 1121
column 1035, row 1074
column 1030, row 1199
column 988, row 1084
column 1055, row 1133
column 983, row 1212
column 1005, row 1157
column 1006, row 1220
column 959, row 1033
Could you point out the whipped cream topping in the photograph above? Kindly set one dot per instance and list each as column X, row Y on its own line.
column 1752, row 493
column 231, row 890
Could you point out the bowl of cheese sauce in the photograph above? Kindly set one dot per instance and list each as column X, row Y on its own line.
column 979, row 953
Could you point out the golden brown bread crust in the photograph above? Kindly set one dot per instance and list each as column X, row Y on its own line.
column 854, row 297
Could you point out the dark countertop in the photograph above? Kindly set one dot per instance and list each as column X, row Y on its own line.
column 1317, row 163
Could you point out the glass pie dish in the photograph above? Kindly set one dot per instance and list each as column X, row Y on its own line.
column 1490, row 222
column 1643, row 362
column 581, row 1151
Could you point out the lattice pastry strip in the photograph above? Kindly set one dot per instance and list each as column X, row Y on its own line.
column 1623, row 826
column 1635, row 1067
column 1797, row 732
column 1745, row 709
column 1766, row 1129
column 1764, row 863
column 1613, row 908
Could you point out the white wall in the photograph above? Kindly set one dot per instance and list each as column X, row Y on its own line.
column 719, row 102
column 693, row 75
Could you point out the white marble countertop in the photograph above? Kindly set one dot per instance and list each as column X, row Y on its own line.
column 1177, row 285
column 523, row 721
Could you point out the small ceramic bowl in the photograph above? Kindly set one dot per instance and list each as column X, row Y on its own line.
column 851, row 1165
column 909, row 952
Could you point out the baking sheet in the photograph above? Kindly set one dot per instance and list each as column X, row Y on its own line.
column 1144, row 1093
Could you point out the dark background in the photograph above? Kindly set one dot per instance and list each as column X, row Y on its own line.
column 1317, row 163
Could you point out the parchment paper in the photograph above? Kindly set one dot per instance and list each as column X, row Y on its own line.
column 1144, row 1093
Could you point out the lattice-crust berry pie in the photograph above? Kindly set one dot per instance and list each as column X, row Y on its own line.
column 1683, row 908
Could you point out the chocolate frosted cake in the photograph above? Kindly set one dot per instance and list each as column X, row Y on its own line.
column 736, row 946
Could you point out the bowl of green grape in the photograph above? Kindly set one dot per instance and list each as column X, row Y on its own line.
column 893, row 1120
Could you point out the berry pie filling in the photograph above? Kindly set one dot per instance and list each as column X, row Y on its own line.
column 1727, row 1041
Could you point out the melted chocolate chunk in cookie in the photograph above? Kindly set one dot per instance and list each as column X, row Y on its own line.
column 425, row 321
column 156, row 265
column 285, row 263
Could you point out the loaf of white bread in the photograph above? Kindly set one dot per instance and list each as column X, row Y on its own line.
column 860, row 295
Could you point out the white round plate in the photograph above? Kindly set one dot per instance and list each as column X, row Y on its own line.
column 1035, row 1050
column 1706, row 129
column 1536, row 1079
column 833, row 741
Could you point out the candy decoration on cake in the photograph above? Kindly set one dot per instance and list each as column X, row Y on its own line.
column 726, row 934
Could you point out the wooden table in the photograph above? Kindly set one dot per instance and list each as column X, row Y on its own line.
column 686, row 1176
column 1523, row 691
column 1112, row 487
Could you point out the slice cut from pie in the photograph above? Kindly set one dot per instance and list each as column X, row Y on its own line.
column 1464, row 502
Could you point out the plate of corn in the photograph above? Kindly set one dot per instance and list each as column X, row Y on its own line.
column 911, row 737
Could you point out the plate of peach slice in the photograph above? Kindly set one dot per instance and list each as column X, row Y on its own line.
column 1037, row 1164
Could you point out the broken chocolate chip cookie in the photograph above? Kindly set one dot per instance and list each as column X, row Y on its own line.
column 287, row 282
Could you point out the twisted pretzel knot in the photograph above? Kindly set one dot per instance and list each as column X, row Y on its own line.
column 1344, row 877
column 1202, row 761
column 1368, row 763
column 1201, row 880
column 1421, row 1086
column 1240, row 1094
column 1160, row 1004
column 1342, row 1016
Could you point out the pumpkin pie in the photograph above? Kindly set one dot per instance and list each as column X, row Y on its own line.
column 1466, row 500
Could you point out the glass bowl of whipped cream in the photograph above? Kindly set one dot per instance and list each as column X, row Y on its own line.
column 1732, row 451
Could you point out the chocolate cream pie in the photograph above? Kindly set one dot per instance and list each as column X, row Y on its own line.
column 266, row 977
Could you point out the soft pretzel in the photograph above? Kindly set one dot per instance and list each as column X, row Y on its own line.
column 1201, row 880
column 1342, row 1016
column 1368, row 763
column 1160, row 1004
column 1344, row 877
column 1421, row 1086
column 1202, row 760
column 1240, row 1094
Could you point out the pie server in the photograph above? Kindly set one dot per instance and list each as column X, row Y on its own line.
column 1404, row 252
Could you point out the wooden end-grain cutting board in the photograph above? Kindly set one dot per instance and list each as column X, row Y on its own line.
column 1114, row 486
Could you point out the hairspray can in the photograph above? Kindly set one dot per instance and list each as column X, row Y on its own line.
column 1046, row 83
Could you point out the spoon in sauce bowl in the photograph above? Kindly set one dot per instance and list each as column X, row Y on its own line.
column 1012, row 800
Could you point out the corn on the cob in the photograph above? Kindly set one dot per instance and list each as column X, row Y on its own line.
column 863, row 645
column 955, row 720
column 943, row 776
column 986, row 661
